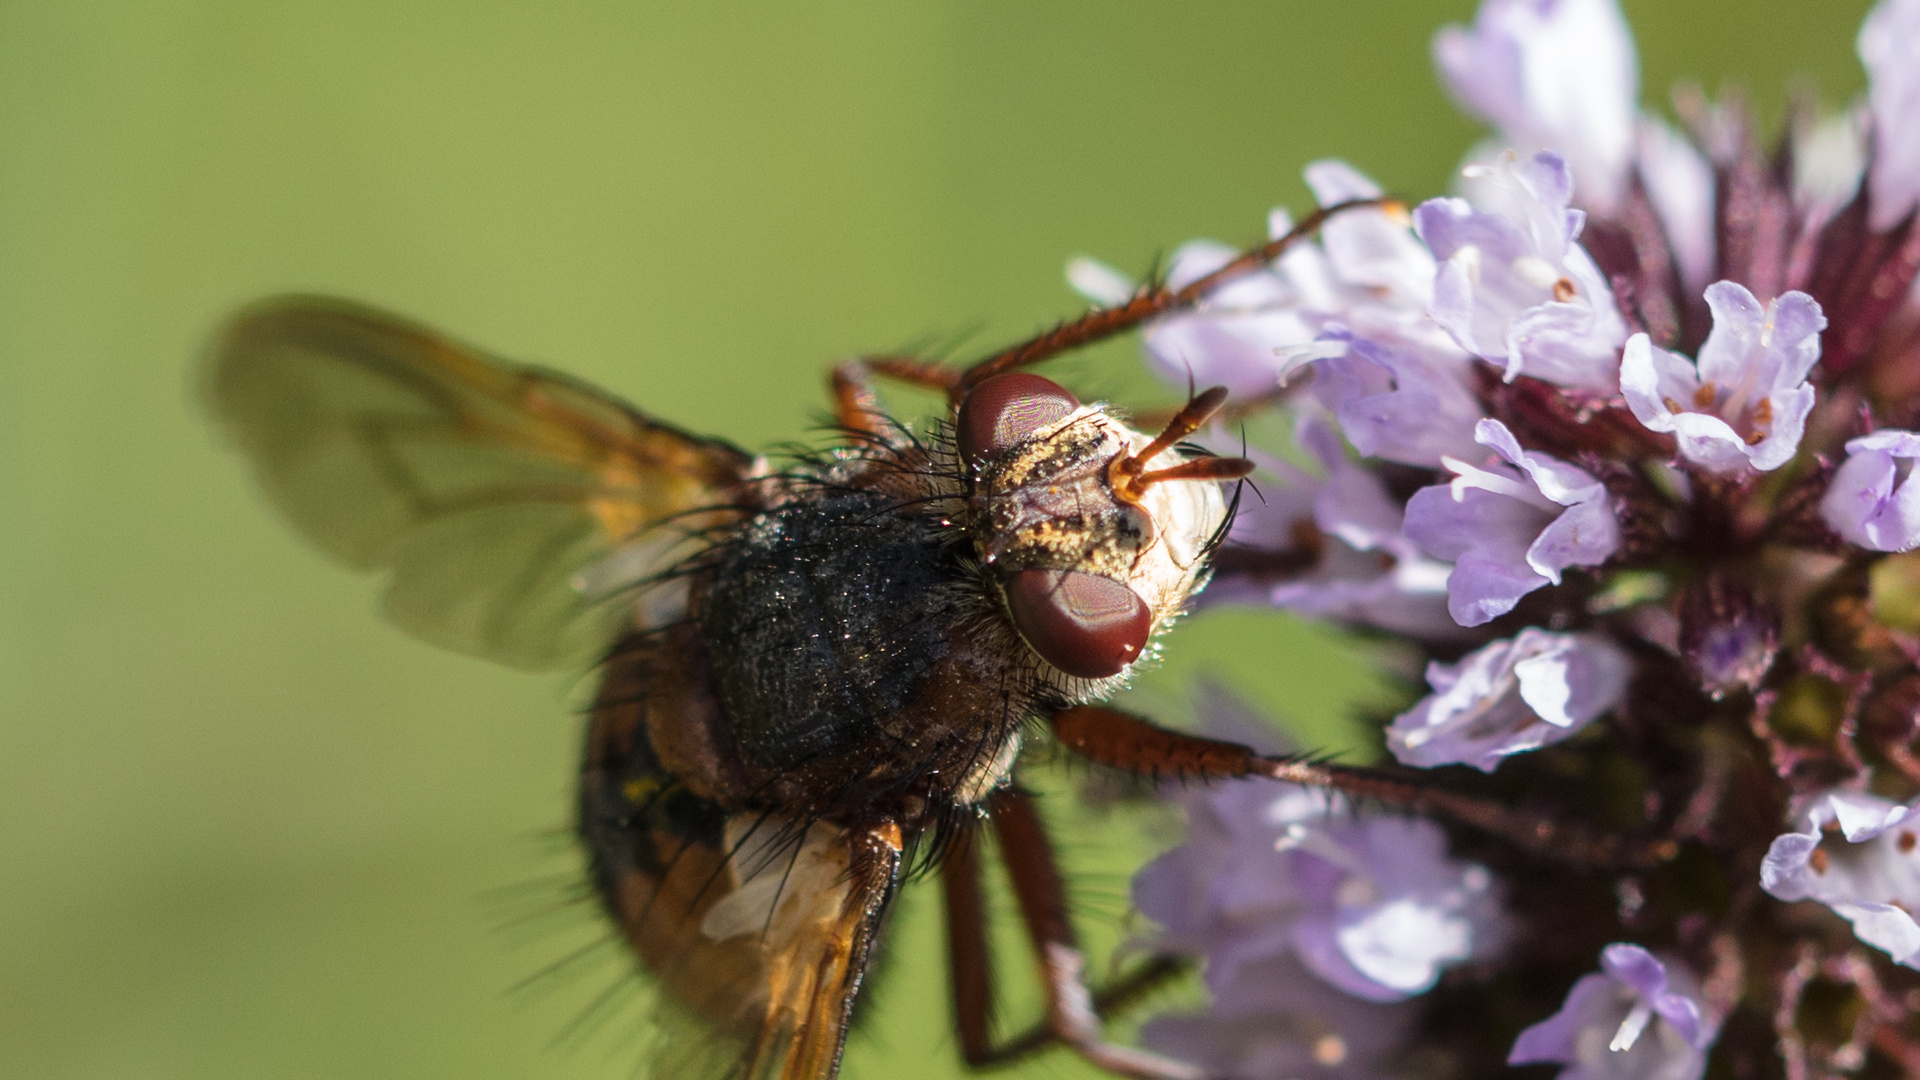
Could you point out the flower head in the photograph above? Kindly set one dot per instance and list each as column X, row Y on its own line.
column 1710, row 343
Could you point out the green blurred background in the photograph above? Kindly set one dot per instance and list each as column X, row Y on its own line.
column 246, row 830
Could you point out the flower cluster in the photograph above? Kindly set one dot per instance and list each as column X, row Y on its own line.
column 1619, row 439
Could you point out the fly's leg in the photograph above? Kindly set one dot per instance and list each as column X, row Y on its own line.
column 1151, row 301
column 969, row 962
column 856, row 408
column 1126, row 742
column 1073, row 1011
column 971, row 969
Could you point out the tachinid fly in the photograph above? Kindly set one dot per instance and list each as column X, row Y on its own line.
column 809, row 673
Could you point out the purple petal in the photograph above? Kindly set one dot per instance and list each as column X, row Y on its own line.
column 1447, row 527
column 1558, row 481
column 1552, row 1040
column 1399, row 403
column 1636, row 968
column 1575, row 681
column 1565, row 344
column 1863, row 817
column 1889, row 46
column 1900, row 444
column 1481, row 590
column 1650, row 377
column 1369, row 247
column 1587, row 534
column 1888, row 927
column 1794, row 345
column 1710, row 442
column 1739, row 321
column 1790, row 411
column 1783, row 871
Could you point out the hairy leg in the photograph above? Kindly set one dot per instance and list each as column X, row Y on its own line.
column 1122, row 741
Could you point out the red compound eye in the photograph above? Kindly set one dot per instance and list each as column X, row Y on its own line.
column 1083, row 624
column 1007, row 408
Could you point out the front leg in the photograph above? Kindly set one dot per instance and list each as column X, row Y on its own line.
column 1129, row 743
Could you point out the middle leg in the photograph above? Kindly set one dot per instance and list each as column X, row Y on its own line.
column 1073, row 1014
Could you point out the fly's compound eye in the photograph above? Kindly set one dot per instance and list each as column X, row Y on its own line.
column 1007, row 409
column 1084, row 624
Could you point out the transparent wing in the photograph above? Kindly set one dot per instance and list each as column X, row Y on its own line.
column 512, row 508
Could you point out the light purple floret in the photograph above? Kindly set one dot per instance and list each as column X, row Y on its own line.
column 1550, row 74
column 1510, row 697
column 1399, row 401
column 1366, row 573
column 1889, row 46
column 1746, row 403
column 1868, row 875
column 1510, row 528
column 1872, row 499
column 1514, row 287
column 1370, row 903
column 1635, row 1019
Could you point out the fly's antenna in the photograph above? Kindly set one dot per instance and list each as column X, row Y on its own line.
column 1129, row 474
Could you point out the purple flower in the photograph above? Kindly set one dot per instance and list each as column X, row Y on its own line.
column 1889, row 46
column 1862, row 502
column 1550, row 75
column 1510, row 697
column 1747, row 401
column 1275, row 1021
column 1400, row 402
column 1635, row 1019
column 1869, row 873
column 1370, row 903
column 1514, row 287
column 1346, row 529
column 1509, row 529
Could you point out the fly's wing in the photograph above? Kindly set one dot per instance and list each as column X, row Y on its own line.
column 758, row 948
column 510, row 507
column 753, row 927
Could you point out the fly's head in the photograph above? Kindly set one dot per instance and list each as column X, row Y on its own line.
column 1096, row 534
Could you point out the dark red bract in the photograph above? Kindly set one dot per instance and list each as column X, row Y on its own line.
column 1007, row 409
column 1084, row 624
